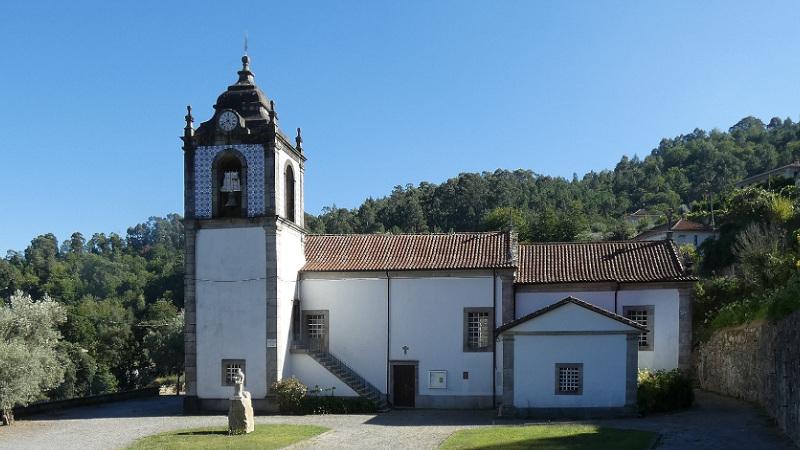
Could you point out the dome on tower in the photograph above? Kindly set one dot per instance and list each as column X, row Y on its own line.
column 244, row 96
column 255, row 111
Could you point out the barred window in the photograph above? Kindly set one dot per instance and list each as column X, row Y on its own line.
column 315, row 324
column 229, row 370
column 643, row 315
column 569, row 378
column 478, row 329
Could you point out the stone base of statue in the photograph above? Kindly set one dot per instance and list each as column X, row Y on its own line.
column 240, row 414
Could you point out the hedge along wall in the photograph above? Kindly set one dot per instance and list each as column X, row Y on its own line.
column 758, row 362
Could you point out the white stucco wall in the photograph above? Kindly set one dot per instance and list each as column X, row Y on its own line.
column 357, row 320
column 666, row 310
column 684, row 237
column 290, row 260
column 427, row 316
column 231, row 316
column 603, row 358
column 283, row 159
column 665, row 328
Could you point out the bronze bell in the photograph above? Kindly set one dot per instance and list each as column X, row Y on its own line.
column 231, row 203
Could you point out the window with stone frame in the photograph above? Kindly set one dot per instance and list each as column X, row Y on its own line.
column 229, row 369
column 643, row 315
column 478, row 329
column 569, row 379
column 315, row 329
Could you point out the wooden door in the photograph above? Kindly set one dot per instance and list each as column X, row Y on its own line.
column 404, row 385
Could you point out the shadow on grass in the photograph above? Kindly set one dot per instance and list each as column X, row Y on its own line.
column 202, row 433
column 552, row 437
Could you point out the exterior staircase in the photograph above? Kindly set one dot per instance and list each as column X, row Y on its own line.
column 352, row 379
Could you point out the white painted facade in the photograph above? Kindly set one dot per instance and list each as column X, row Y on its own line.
column 665, row 302
column 290, row 249
column 427, row 316
column 424, row 317
column 231, row 312
column 570, row 334
column 357, row 326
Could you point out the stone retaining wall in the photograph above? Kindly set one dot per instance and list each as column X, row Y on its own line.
column 758, row 362
column 42, row 407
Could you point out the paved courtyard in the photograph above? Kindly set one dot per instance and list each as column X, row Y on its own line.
column 714, row 423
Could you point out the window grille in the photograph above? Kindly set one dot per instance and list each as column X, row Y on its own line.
column 229, row 370
column 315, row 324
column 642, row 316
column 569, row 379
column 316, row 329
column 478, row 330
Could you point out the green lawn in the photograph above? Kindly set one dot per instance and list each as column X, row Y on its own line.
column 555, row 437
column 264, row 437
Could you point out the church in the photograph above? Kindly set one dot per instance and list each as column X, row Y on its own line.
column 451, row 320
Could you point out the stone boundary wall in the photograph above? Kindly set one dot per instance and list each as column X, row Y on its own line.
column 42, row 407
column 757, row 362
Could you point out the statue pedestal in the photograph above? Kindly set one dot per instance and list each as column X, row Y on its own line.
column 240, row 415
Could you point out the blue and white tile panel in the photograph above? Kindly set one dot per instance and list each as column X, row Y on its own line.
column 204, row 160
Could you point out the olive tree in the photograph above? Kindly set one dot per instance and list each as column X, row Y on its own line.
column 29, row 363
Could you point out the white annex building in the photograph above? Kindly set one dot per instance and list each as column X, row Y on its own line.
column 458, row 320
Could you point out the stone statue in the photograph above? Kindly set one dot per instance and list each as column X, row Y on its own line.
column 238, row 380
column 240, row 413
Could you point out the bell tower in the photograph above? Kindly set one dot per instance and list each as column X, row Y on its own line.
column 243, row 203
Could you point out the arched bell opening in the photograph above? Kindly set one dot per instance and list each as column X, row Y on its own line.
column 230, row 185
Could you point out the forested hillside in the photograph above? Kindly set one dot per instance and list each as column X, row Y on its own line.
column 122, row 295
column 680, row 171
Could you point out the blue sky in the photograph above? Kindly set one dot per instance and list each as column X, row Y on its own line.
column 92, row 95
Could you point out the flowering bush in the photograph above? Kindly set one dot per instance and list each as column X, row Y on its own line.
column 290, row 392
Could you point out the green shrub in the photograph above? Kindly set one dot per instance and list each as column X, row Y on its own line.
column 784, row 301
column 290, row 392
column 664, row 390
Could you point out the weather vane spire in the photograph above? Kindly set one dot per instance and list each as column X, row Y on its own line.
column 245, row 42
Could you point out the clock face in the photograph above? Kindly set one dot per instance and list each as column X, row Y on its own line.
column 228, row 121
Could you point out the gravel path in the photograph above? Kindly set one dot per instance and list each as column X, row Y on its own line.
column 715, row 423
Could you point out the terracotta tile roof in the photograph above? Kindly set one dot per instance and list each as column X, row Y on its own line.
column 576, row 301
column 620, row 261
column 364, row 252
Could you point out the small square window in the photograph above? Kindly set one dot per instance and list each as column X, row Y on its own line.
column 643, row 315
column 569, row 379
column 465, row 376
column 229, row 369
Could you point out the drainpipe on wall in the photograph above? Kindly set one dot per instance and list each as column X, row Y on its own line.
column 616, row 291
column 388, row 334
column 494, row 339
